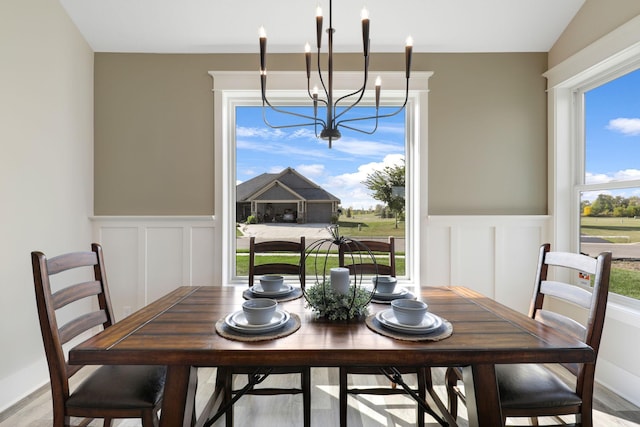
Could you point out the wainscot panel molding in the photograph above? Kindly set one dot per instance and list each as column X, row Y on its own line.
column 495, row 255
column 148, row 256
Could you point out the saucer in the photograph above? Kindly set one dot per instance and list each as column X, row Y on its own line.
column 284, row 290
column 399, row 293
column 238, row 322
column 430, row 323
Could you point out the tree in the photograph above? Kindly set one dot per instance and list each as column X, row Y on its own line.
column 387, row 185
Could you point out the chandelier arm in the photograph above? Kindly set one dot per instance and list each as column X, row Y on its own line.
column 378, row 116
column 314, row 122
column 358, row 91
column 371, row 132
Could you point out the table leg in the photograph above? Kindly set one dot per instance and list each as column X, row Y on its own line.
column 179, row 396
column 483, row 400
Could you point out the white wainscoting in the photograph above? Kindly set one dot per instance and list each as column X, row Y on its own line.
column 146, row 257
column 494, row 255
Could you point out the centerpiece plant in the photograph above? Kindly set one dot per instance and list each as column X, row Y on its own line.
column 337, row 293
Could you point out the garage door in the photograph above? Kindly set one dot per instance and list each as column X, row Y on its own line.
column 319, row 213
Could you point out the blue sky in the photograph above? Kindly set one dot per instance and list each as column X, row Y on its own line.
column 612, row 126
column 339, row 170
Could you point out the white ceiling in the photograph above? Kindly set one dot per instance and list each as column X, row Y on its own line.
column 220, row 26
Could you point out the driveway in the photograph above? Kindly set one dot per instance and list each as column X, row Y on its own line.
column 285, row 231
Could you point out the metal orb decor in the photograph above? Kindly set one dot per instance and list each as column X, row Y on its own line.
column 337, row 293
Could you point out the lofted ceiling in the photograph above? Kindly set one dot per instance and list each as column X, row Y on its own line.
column 226, row 26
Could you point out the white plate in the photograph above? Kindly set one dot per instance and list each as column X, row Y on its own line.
column 284, row 290
column 238, row 322
column 399, row 293
column 430, row 323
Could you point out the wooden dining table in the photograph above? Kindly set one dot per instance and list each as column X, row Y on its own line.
column 178, row 331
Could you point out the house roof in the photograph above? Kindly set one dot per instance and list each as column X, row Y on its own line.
column 298, row 186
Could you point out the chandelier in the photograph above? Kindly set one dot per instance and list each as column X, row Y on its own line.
column 328, row 128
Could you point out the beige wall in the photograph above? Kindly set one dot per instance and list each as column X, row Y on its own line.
column 154, row 130
column 595, row 19
column 46, row 170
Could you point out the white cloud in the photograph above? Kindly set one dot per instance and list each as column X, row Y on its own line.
column 361, row 148
column 311, row 171
column 349, row 188
column 625, row 126
column 622, row 175
column 276, row 169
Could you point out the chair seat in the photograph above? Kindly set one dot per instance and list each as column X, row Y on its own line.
column 120, row 387
column 532, row 386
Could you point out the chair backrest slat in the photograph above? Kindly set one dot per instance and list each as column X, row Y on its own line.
column 70, row 261
column 297, row 249
column 573, row 261
column 75, row 293
column 562, row 323
column 81, row 324
column 356, row 256
column 573, row 294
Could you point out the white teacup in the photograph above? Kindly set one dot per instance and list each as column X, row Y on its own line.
column 259, row 311
column 409, row 311
column 271, row 283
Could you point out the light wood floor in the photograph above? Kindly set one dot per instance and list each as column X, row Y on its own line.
column 286, row 411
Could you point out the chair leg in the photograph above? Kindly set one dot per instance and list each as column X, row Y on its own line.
column 451, row 381
column 424, row 378
column 343, row 397
column 228, row 395
column 106, row 422
column 306, row 396
column 150, row 418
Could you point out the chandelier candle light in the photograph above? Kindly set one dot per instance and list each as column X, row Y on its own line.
column 329, row 127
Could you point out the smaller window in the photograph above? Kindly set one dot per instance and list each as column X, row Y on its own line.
column 610, row 192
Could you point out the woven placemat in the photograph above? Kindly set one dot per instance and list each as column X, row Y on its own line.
column 444, row 331
column 292, row 325
column 294, row 294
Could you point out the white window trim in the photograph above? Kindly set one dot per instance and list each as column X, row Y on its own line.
column 612, row 55
column 232, row 88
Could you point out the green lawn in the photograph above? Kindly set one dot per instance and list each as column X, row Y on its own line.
column 625, row 282
column 370, row 225
column 242, row 263
column 615, row 230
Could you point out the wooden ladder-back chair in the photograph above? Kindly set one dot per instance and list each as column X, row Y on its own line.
column 297, row 249
column 356, row 256
column 531, row 390
column 110, row 391
column 276, row 247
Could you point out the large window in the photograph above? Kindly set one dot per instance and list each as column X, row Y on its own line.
column 609, row 177
column 240, row 155
column 290, row 184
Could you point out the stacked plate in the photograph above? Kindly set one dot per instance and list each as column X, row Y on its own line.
column 283, row 291
column 238, row 322
column 398, row 292
column 429, row 324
